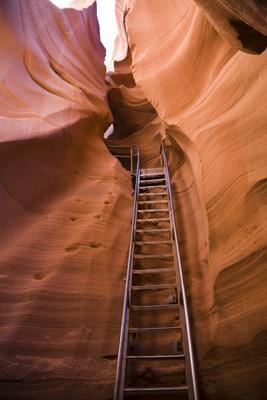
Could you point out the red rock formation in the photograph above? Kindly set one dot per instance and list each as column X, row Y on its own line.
column 212, row 100
column 65, row 202
column 65, row 206
column 242, row 23
column 53, row 77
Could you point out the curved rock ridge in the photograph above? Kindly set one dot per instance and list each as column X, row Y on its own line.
column 131, row 110
column 242, row 23
column 53, row 77
column 121, row 43
column 211, row 99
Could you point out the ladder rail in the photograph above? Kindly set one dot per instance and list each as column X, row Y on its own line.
column 123, row 356
column 122, row 353
column 193, row 389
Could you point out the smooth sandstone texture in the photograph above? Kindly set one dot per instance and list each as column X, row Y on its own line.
column 52, row 69
column 181, row 79
column 131, row 110
column 212, row 100
column 65, row 206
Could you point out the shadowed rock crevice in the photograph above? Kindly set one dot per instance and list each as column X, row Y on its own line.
column 250, row 38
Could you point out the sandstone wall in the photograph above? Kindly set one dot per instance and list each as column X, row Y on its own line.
column 65, row 207
column 211, row 97
column 187, row 79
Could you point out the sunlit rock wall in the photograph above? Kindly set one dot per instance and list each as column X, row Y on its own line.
column 51, row 69
column 65, row 207
column 191, row 62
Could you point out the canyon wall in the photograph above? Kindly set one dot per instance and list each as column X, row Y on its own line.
column 189, row 74
column 190, row 63
column 65, row 206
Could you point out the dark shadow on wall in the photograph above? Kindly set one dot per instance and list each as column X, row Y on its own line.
column 250, row 38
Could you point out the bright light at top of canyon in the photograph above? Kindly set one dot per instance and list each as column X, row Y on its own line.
column 106, row 18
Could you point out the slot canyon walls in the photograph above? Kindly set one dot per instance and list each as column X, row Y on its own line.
column 65, row 207
column 202, row 67
column 191, row 74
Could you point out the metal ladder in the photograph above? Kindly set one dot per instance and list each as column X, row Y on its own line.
column 155, row 352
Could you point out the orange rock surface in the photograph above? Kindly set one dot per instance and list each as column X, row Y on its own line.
column 65, row 207
column 211, row 98
column 191, row 74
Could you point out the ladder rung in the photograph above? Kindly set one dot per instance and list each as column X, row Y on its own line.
column 152, row 178
column 154, row 170
column 152, row 187
column 152, row 201
column 157, row 357
column 152, row 230
column 153, row 255
column 156, row 177
column 152, row 270
column 153, row 194
column 155, row 287
column 155, row 329
column 155, row 307
column 159, row 173
column 152, row 219
column 155, row 180
column 154, row 210
column 156, row 390
column 139, row 243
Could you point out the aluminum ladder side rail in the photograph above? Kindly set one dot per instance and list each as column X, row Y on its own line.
column 122, row 353
column 192, row 384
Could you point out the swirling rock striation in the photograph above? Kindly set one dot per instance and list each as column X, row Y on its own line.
column 211, row 99
column 183, row 76
column 65, row 207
